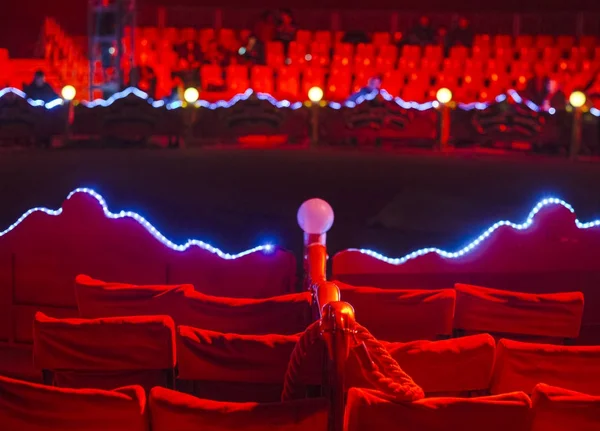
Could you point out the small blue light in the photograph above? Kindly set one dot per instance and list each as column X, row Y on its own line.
column 142, row 221
column 551, row 111
column 463, row 251
column 595, row 112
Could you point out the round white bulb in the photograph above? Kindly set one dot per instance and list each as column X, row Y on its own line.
column 443, row 95
column 315, row 216
column 577, row 99
column 315, row 94
column 191, row 95
column 68, row 92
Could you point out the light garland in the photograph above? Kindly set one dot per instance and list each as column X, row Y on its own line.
column 145, row 223
column 463, row 251
column 288, row 104
column 16, row 91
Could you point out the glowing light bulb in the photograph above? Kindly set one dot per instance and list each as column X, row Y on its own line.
column 443, row 95
column 315, row 94
column 577, row 99
column 191, row 95
column 68, row 92
column 315, row 216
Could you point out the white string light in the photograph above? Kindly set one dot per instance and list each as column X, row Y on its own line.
column 16, row 91
column 145, row 223
column 453, row 255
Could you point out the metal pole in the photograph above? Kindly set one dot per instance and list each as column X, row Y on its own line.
column 576, row 133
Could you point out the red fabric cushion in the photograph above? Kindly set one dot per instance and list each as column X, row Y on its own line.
column 287, row 314
column 521, row 366
column 492, row 310
column 175, row 411
column 208, row 355
column 368, row 410
column 557, row 409
column 402, row 315
column 32, row 407
column 105, row 352
column 447, row 366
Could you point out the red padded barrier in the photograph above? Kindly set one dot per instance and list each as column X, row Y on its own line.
column 105, row 353
column 402, row 315
column 23, row 317
column 368, row 410
column 451, row 366
column 286, row 314
column 481, row 309
column 521, row 366
column 175, row 411
column 557, row 409
column 31, row 407
column 17, row 362
column 552, row 255
column 234, row 367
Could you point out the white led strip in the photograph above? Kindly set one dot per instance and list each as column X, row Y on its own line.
column 453, row 255
column 147, row 225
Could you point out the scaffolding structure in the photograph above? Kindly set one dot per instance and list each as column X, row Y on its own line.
column 111, row 44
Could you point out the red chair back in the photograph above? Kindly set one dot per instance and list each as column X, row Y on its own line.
column 557, row 409
column 31, row 407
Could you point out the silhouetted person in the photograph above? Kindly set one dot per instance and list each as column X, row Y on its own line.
column 373, row 85
column 265, row 29
column 215, row 54
column 143, row 77
column 190, row 51
column 286, row 29
column 254, row 51
column 462, row 34
column 422, row 33
column 538, row 87
column 39, row 89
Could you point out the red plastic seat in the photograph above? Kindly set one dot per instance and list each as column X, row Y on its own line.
column 365, row 55
column 459, row 53
column 324, row 37
column 187, row 34
column 381, row 38
column 312, row 77
column 564, row 42
column 262, row 79
column 105, row 353
column 297, row 54
column 343, row 54
column 521, row 366
column 436, row 53
column 288, row 83
column 402, row 315
column 556, row 316
column 368, row 410
column 393, row 82
column 503, row 41
column 523, row 41
column 411, row 53
column 339, row 84
column 482, row 40
column 303, row 37
column 481, row 53
column 320, row 54
column 542, row 41
column 211, row 75
column 529, row 54
column 275, row 57
column 170, row 410
column 237, row 78
column 32, row 407
column 558, row 409
column 228, row 39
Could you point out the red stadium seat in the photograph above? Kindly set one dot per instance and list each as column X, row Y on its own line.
column 170, row 410
column 365, row 55
column 402, row 315
column 171, row 34
column 229, row 40
column 320, row 54
column 231, row 367
column 211, row 75
column 393, row 82
column 288, row 83
column 303, row 37
column 589, row 43
column 297, row 54
column 503, row 41
column 523, row 41
column 556, row 316
column 482, row 40
column 339, row 84
column 312, row 77
column 565, row 43
column 381, row 38
column 187, row 34
column 504, row 55
column 411, row 53
column 557, row 409
column 343, row 54
column 542, row 41
column 262, row 79
column 105, row 353
column 459, row 53
column 324, row 37
column 275, row 57
column 521, row 366
column 368, row 410
column 454, row 367
column 481, row 53
column 435, row 53
column 32, row 407
column 237, row 78
column 528, row 54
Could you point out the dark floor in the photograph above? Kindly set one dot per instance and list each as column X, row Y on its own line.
column 236, row 199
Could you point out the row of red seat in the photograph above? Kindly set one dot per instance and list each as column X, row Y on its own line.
column 110, row 352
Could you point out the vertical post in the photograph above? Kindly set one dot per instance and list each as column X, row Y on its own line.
column 315, row 217
column 314, row 123
column 444, row 127
column 161, row 18
column 338, row 325
column 576, row 133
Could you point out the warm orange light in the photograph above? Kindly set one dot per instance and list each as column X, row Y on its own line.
column 367, row 62
column 577, row 99
column 494, row 77
column 522, row 79
column 468, row 79
column 315, row 94
column 345, row 61
column 443, row 95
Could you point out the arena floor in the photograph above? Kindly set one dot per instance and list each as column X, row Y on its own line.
column 235, row 199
